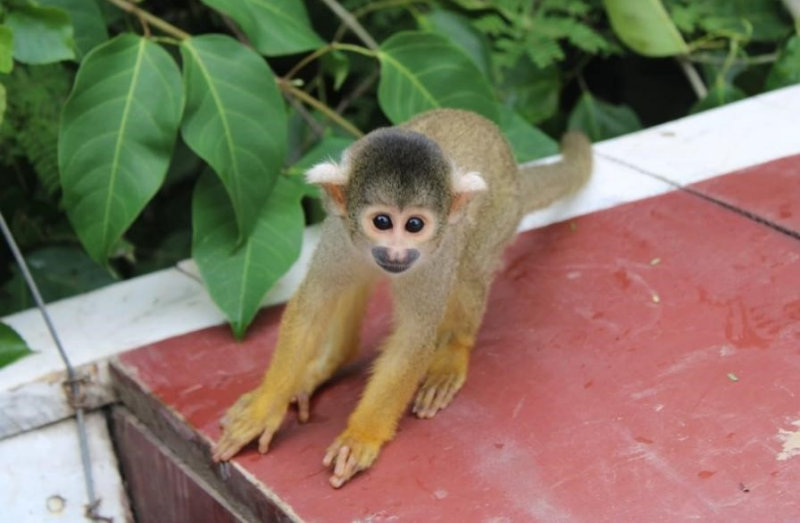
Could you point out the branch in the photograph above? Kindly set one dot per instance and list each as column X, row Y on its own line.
column 700, row 89
column 360, row 89
column 375, row 6
column 151, row 19
column 316, row 128
column 230, row 24
column 306, row 98
column 352, row 23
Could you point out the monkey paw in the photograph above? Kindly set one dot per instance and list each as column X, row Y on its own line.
column 247, row 419
column 349, row 455
column 446, row 375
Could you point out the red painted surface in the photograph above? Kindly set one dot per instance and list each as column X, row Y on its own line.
column 634, row 364
column 770, row 190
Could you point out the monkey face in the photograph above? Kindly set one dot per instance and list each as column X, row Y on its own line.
column 398, row 238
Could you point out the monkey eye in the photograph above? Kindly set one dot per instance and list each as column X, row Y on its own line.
column 414, row 224
column 382, row 222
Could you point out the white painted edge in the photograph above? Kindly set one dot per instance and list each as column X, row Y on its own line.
column 99, row 324
column 45, row 465
column 701, row 146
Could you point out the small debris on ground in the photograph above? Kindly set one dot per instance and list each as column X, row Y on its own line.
column 55, row 504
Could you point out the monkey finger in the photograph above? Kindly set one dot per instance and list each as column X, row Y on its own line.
column 225, row 449
column 345, row 468
column 331, row 453
column 425, row 397
column 342, row 459
column 303, row 407
column 264, row 440
column 444, row 397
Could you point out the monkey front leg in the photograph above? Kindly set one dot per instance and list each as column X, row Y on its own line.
column 396, row 375
column 318, row 333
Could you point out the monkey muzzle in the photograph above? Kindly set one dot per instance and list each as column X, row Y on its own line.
column 392, row 261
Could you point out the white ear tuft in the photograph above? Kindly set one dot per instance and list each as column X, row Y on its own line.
column 326, row 173
column 468, row 182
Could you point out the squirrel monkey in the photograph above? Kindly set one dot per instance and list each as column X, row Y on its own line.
column 431, row 204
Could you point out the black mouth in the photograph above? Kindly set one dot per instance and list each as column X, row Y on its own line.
column 393, row 267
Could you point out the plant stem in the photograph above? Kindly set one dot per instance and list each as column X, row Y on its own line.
column 151, row 19
column 700, row 89
column 375, row 6
column 372, row 53
column 306, row 98
column 751, row 60
column 307, row 60
column 352, row 23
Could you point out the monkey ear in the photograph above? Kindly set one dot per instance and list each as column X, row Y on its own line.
column 465, row 187
column 332, row 178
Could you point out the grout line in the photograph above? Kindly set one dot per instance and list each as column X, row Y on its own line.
column 721, row 203
column 747, row 214
column 639, row 169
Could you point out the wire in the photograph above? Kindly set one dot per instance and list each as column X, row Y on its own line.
column 72, row 380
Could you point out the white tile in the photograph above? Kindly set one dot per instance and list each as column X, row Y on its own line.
column 41, row 479
column 714, row 142
column 97, row 324
column 611, row 184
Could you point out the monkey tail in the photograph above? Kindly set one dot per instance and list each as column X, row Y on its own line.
column 543, row 184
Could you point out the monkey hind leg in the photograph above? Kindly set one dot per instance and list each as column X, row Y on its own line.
column 445, row 376
column 447, row 371
column 339, row 346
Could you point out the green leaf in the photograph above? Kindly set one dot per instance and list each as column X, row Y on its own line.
column 460, row 32
column 337, row 65
column 330, row 147
column 645, row 27
column 59, row 271
column 275, row 27
column 238, row 276
column 41, row 34
column 12, row 346
column 422, row 71
column 87, row 21
column 33, row 117
column 6, row 49
column 235, row 120
column 527, row 142
column 786, row 70
column 719, row 94
column 532, row 91
column 116, row 137
column 759, row 20
column 601, row 120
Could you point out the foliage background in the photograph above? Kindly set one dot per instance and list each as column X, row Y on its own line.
column 137, row 134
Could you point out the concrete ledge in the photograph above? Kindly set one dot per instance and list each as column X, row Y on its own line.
column 132, row 313
column 41, row 479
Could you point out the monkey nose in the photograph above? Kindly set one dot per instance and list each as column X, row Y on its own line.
column 391, row 262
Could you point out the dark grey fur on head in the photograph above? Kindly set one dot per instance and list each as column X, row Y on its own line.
column 398, row 167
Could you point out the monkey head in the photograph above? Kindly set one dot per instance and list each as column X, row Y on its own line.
column 397, row 193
